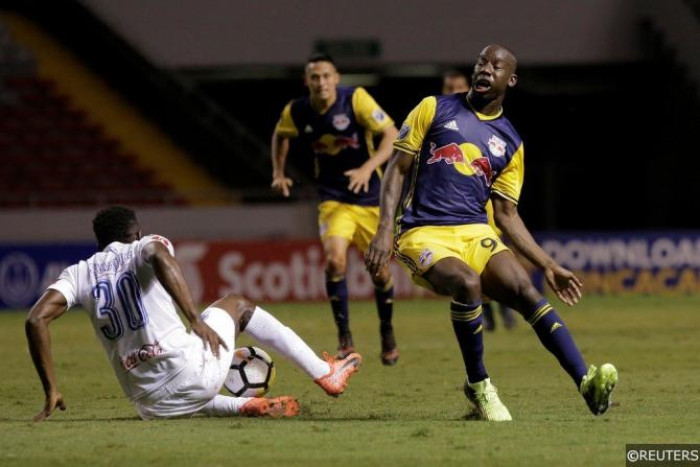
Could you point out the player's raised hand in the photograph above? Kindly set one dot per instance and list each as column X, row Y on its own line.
column 53, row 400
column 565, row 284
column 209, row 337
column 359, row 179
column 282, row 185
column 379, row 252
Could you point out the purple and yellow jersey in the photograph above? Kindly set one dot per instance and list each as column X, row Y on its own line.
column 341, row 140
column 460, row 158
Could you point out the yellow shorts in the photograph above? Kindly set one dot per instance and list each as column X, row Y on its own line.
column 357, row 224
column 420, row 248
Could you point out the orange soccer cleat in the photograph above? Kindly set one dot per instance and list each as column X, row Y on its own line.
column 284, row 406
column 335, row 382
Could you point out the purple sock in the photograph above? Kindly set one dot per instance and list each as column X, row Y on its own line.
column 466, row 322
column 555, row 336
column 337, row 290
column 384, row 298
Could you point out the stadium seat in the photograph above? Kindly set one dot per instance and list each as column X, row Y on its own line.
column 51, row 154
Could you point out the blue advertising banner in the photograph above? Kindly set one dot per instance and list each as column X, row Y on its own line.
column 26, row 270
column 629, row 262
column 608, row 263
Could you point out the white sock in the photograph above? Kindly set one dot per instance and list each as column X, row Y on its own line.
column 266, row 329
column 224, row 406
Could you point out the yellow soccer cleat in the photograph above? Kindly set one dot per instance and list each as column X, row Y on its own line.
column 485, row 398
column 597, row 386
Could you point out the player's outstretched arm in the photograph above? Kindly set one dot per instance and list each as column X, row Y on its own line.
column 360, row 177
column 382, row 245
column 565, row 284
column 49, row 307
column 169, row 273
column 280, row 149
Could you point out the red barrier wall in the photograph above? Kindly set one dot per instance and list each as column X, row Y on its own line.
column 268, row 271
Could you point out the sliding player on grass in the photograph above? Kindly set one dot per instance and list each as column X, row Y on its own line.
column 130, row 289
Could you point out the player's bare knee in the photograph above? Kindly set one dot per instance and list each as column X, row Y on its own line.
column 335, row 265
column 232, row 302
column 525, row 295
column 530, row 293
column 523, row 286
column 235, row 305
column 244, row 319
column 382, row 278
column 466, row 288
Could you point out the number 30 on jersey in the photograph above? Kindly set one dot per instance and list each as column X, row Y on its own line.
column 129, row 307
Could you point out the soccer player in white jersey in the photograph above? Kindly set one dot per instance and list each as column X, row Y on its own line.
column 129, row 289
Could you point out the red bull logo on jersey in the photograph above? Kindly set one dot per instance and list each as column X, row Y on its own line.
column 482, row 167
column 451, row 154
column 333, row 144
column 497, row 146
column 347, row 142
column 466, row 158
column 341, row 122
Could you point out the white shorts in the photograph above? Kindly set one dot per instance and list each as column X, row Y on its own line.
column 202, row 377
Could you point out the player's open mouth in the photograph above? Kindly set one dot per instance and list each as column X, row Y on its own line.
column 482, row 85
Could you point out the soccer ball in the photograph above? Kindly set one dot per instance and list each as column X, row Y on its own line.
column 252, row 372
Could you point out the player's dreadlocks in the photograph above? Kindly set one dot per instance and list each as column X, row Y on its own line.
column 112, row 224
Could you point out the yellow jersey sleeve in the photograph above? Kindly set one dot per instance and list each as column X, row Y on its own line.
column 285, row 126
column 368, row 113
column 416, row 126
column 510, row 182
column 491, row 220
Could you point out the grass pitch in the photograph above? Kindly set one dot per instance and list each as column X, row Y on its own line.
column 410, row 414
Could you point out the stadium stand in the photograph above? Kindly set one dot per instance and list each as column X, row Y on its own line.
column 52, row 153
column 214, row 145
column 222, row 120
column 67, row 138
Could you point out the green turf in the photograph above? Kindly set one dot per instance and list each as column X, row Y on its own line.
column 411, row 414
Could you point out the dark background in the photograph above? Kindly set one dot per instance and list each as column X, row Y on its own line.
column 606, row 147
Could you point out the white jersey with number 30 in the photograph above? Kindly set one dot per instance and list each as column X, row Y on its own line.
column 132, row 314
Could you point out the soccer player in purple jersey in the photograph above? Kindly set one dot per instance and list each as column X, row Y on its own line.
column 336, row 125
column 454, row 81
column 453, row 154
